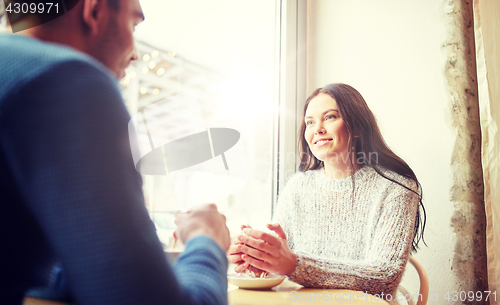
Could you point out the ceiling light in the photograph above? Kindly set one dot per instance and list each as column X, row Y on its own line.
column 160, row 72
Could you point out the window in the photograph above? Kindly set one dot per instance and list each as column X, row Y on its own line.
column 237, row 57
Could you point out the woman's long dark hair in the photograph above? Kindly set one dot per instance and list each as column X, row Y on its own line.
column 362, row 127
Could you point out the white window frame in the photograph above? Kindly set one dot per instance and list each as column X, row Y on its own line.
column 291, row 88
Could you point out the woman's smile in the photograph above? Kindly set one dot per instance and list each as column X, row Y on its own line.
column 322, row 142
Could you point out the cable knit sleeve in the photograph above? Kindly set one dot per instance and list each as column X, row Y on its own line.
column 379, row 261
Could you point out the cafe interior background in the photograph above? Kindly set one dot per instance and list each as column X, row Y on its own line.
column 429, row 70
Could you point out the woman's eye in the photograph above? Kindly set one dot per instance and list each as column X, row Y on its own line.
column 331, row 116
column 308, row 123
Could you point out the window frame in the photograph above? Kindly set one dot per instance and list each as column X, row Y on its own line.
column 291, row 67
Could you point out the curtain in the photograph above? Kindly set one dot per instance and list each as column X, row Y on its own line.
column 487, row 37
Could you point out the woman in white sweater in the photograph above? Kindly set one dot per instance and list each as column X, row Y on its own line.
column 350, row 217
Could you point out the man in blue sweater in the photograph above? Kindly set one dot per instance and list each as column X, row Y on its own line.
column 70, row 197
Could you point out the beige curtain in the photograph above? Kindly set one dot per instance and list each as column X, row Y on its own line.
column 487, row 36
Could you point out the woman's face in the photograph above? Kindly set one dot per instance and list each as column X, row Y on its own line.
column 326, row 133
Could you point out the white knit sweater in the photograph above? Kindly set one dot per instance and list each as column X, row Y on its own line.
column 361, row 244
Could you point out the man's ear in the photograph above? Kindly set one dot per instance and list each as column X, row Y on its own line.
column 94, row 12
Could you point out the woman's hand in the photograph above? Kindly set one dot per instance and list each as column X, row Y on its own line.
column 264, row 251
column 234, row 255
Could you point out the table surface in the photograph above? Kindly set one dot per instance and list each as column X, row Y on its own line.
column 292, row 293
column 285, row 293
column 31, row 301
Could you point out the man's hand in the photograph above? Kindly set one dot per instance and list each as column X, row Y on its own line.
column 203, row 221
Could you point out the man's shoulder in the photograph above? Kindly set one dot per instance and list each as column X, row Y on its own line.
column 18, row 52
column 24, row 59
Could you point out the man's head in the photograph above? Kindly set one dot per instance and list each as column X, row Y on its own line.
column 101, row 28
column 114, row 45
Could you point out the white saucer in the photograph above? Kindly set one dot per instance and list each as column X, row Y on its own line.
column 245, row 281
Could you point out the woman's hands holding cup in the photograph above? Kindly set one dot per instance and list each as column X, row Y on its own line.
column 260, row 250
column 234, row 255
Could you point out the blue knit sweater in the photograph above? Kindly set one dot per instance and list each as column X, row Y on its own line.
column 70, row 198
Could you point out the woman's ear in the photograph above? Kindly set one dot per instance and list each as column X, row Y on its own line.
column 93, row 13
